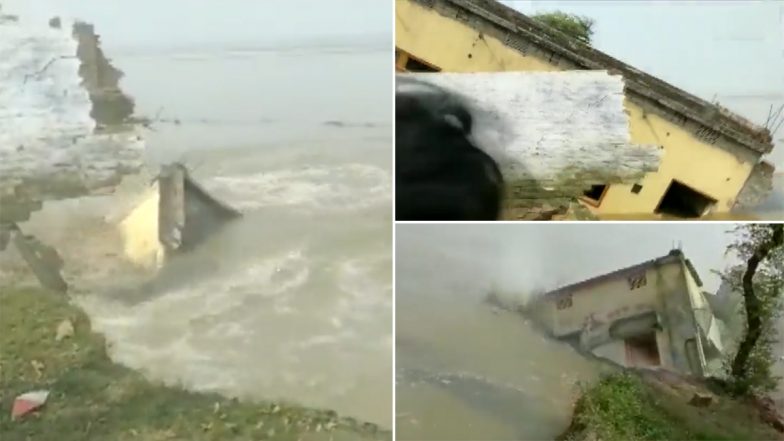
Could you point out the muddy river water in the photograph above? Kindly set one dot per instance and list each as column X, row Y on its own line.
column 294, row 301
column 466, row 370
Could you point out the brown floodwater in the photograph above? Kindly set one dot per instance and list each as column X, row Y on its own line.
column 466, row 370
column 292, row 302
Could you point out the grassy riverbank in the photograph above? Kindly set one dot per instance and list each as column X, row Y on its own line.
column 658, row 406
column 91, row 398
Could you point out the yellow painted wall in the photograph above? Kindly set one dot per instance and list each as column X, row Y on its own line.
column 139, row 230
column 447, row 44
column 605, row 297
column 697, row 298
column 700, row 301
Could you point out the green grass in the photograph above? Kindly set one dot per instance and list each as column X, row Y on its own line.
column 624, row 407
column 619, row 408
column 92, row 398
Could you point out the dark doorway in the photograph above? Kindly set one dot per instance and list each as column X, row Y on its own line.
column 642, row 350
column 683, row 201
column 594, row 194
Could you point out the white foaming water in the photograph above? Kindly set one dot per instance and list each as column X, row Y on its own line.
column 292, row 302
column 350, row 186
column 291, row 125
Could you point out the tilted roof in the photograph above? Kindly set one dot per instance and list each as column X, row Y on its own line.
column 512, row 27
column 672, row 257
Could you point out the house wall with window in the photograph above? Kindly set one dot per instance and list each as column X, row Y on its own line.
column 639, row 316
column 701, row 171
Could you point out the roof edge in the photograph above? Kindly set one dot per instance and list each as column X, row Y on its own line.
column 716, row 117
column 674, row 256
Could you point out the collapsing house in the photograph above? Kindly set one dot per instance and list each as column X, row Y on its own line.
column 174, row 216
column 712, row 161
column 651, row 315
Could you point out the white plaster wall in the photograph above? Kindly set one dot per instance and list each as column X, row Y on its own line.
column 46, row 132
column 543, row 125
column 731, row 51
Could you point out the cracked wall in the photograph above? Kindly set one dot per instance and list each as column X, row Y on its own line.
column 61, row 117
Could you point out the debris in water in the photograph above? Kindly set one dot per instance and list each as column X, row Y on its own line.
column 64, row 330
column 28, row 402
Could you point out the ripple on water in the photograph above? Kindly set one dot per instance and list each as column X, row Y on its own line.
column 279, row 306
column 329, row 188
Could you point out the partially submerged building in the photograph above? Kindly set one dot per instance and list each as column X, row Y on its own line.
column 653, row 314
column 712, row 160
column 174, row 216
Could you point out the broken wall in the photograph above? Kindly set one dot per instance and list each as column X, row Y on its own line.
column 757, row 187
column 174, row 215
column 61, row 117
column 554, row 134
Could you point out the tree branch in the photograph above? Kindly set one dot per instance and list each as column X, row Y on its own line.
column 752, row 302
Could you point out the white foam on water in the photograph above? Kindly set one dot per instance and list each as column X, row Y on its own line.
column 298, row 308
column 350, row 186
column 256, row 333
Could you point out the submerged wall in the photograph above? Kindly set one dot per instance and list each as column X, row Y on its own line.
column 173, row 216
column 139, row 232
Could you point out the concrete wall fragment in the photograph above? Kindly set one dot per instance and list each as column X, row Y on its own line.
column 188, row 214
column 757, row 187
column 174, row 216
column 61, row 117
column 554, row 134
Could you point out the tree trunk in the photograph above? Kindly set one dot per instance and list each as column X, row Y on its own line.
column 752, row 303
